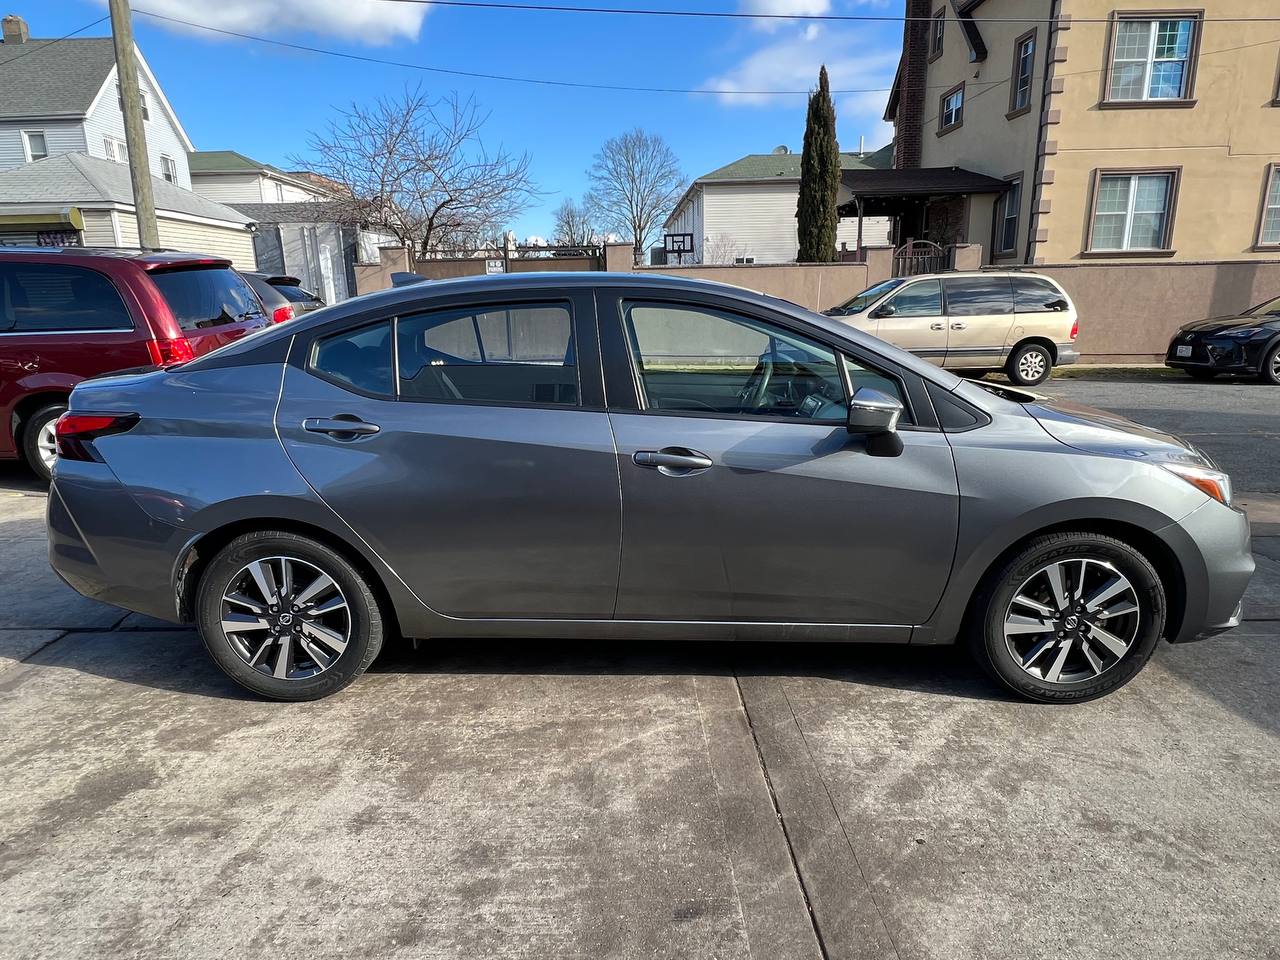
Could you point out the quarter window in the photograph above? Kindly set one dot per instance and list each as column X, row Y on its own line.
column 1271, row 210
column 1024, row 66
column 509, row 354
column 40, row 298
column 951, row 109
column 1132, row 211
column 979, row 297
column 1007, row 223
column 920, row 299
column 358, row 358
column 1152, row 59
column 35, row 144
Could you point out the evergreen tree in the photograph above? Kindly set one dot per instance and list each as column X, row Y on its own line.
column 819, row 179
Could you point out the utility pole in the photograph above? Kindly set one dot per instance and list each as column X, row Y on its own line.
column 135, row 134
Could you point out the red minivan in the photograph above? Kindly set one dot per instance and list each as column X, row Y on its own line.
column 71, row 313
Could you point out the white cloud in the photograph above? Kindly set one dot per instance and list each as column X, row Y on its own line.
column 788, row 8
column 358, row 21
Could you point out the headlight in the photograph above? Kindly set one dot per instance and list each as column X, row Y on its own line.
column 1241, row 333
column 1213, row 482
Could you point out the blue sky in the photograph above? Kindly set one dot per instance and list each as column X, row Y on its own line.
column 263, row 100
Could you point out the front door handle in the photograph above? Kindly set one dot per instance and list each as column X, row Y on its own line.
column 937, row 326
column 340, row 427
column 673, row 461
column 959, row 326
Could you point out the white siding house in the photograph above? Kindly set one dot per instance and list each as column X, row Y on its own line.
column 746, row 211
column 230, row 177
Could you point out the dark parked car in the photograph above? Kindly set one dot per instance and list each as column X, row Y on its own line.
column 67, row 314
column 604, row 456
column 1248, row 343
column 277, row 305
column 287, row 289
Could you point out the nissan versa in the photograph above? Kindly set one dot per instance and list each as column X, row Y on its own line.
column 605, row 456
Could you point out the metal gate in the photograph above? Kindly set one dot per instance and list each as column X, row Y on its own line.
column 920, row 256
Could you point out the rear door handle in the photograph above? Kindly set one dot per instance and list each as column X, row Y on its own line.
column 673, row 461
column 340, row 428
column 959, row 326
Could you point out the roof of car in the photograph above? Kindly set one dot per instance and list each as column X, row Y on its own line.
column 147, row 259
column 953, row 274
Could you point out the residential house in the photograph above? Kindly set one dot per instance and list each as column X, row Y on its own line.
column 64, row 175
column 745, row 212
column 1121, row 132
column 230, row 177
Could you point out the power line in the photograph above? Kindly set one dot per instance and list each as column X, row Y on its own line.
column 46, row 44
column 743, row 15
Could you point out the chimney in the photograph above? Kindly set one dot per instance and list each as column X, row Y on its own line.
column 15, row 29
column 908, row 126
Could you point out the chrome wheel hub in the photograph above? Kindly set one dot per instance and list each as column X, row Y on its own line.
column 1072, row 621
column 1032, row 365
column 286, row 618
column 47, row 444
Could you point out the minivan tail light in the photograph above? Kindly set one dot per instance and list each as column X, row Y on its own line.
column 170, row 352
column 281, row 314
column 74, row 431
column 1075, row 329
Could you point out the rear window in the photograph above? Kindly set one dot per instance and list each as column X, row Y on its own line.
column 52, row 297
column 269, row 294
column 207, row 297
column 294, row 293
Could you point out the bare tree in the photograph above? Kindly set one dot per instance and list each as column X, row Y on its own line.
column 574, row 224
column 721, row 248
column 635, row 182
column 418, row 167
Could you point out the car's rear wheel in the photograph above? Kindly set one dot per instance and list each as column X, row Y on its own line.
column 1030, row 364
column 1071, row 617
column 39, row 445
column 1271, row 366
column 287, row 617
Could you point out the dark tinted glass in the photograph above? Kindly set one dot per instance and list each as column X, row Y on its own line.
column 1033, row 295
column 360, row 358
column 979, row 296
column 207, row 297
column 516, row 354
column 294, row 293
column 270, row 296
column 46, row 296
column 921, row 299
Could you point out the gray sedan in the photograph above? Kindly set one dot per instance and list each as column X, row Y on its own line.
column 605, row 456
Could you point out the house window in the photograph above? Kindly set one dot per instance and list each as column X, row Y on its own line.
column 937, row 33
column 951, row 110
column 168, row 168
column 142, row 96
column 1133, row 211
column 1269, row 236
column 1153, row 60
column 116, row 149
column 279, row 192
column 34, row 145
column 1024, row 68
column 1007, row 221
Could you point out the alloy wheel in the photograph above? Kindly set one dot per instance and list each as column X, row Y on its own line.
column 1275, row 366
column 1031, row 365
column 47, row 444
column 1072, row 620
column 286, row 618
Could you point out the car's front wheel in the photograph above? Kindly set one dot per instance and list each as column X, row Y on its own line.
column 1271, row 366
column 1030, row 364
column 287, row 617
column 1072, row 616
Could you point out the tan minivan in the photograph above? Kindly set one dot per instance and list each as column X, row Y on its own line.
column 1021, row 323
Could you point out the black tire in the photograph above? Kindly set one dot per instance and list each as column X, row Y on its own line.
column 363, row 621
column 1200, row 373
column 1270, row 372
column 31, row 428
column 1029, row 365
column 986, row 634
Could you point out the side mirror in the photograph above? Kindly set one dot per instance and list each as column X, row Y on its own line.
column 887, row 310
column 875, row 415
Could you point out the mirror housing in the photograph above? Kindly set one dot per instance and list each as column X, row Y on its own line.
column 885, row 310
column 875, row 415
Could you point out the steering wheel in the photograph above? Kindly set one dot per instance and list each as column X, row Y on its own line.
column 756, row 391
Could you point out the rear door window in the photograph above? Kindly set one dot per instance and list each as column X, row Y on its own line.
column 207, row 297
column 1034, row 295
column 358, row 358
column 54, row 298
column 979, row 296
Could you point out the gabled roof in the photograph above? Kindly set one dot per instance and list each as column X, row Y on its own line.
column 307, row 211
column 226, row 161
column 77, row 178
column 48, row 77
column 771, row 166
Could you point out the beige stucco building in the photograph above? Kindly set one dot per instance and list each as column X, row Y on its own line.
column 1126, row 131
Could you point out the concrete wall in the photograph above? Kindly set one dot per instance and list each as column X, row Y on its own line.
column 817, row 286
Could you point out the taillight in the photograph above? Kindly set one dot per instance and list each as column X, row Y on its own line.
column 168, row 353
column 73, row 432
column 281, row 314
column 1075, row 329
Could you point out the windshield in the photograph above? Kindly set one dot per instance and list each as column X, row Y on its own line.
column 1269, row 309
column 207, row 296
column 869, row 296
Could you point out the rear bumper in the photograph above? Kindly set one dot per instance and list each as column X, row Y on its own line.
column 106, row 547
column 1212, row 546
column 1067, row 354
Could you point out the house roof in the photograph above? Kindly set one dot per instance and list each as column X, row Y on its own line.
column 77, row 178
column 226, row 161
column 310, row 211
column 919, row 181
column 784, row 166
column 47, row 77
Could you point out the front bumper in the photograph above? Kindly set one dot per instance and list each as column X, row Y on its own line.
column 1220, row 354
column 1212, row 548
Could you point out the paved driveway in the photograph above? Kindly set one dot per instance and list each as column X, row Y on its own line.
column 624, row 800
